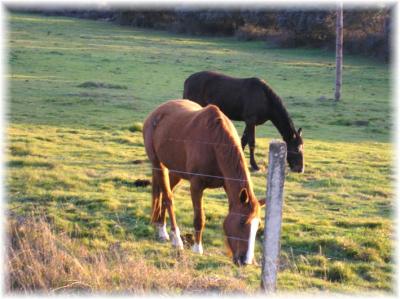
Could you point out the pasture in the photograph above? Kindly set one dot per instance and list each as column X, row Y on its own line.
column 79, row 91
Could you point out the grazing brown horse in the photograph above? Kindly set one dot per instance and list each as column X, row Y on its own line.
column 250, row 100
column 201, row 145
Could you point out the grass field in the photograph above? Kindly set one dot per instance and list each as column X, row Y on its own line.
column 78, row 92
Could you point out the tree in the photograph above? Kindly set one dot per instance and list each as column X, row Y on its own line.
column 339, row 50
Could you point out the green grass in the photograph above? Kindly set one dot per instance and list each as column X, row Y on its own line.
column 78, row 94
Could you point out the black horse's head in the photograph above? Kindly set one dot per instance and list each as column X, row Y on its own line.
column 295, row 152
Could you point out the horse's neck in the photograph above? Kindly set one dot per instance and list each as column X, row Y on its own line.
column 282, row 121
column 236, row 206
column 233, row 190
column 234, row 170
column 234, row 183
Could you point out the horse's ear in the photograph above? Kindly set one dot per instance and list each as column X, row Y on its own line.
column 261, row 202
column 300, row 131
column 243, row 196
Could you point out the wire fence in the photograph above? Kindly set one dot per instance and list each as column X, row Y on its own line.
column 290, row 252
column 144, row 168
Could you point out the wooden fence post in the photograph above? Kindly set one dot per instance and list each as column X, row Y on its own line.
column 339, row 50
column 273, row 215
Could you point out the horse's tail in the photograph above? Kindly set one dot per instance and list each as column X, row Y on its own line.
column 148, row 131
column 156, row 198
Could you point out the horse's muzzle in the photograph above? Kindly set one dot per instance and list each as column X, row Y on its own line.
column 242, row 261
column 298, row 169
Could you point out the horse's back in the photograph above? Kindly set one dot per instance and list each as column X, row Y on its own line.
column 197, row 86
column 161, row 123
column 167, row 129
column 236, row 97
column 180, row 134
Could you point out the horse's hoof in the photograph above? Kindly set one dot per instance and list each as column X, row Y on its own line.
column 197, row 248
column 178, row 245
column 163, row 240
column 255, row 169
column 162, row 233
column 176, row 239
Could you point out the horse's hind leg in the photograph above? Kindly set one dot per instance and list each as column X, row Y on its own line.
column 162, row 228
column 196, row 191
column 158, row 210
column 168, row 204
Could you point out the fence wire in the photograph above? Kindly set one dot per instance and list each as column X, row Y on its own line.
column 145, row 169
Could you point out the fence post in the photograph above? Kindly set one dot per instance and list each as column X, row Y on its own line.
column 273, row 215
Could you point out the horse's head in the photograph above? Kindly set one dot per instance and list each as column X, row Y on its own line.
column 241, row 227
column 295, row 152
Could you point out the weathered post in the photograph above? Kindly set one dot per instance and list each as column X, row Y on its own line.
column 339, row 50
column 273, row 215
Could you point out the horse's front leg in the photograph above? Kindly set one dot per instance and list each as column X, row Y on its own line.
column 252, row 145
column 196, row 191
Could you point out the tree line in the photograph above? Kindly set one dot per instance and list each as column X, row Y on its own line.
column 366, row 31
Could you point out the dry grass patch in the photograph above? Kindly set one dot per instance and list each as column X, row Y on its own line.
column 42, row 260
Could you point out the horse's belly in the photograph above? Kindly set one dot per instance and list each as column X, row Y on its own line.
column 173, row 160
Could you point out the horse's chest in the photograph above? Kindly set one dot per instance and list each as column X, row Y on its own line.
column 261, row 118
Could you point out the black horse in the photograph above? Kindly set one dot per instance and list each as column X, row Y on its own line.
column 250, row 100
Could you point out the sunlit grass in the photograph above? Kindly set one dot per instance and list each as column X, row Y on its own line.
column 74, row 152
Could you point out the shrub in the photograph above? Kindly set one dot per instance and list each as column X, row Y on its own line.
column 311, row 28
column 207, row 22
column 251, row 32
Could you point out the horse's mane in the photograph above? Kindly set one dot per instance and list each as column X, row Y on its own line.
column 279, row 107
column 229, row 150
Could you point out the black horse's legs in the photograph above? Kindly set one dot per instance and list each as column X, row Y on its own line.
column 252, row 145
column 245, row 137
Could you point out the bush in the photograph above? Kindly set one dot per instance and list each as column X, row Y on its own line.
column 207, row 22
column 311, row 28
column 147, row 19
column 251, row 32
column 371, row 44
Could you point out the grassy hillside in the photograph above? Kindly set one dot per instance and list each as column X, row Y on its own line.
column 78, row 92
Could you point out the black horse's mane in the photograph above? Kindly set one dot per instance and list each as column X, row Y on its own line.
column 280, row 111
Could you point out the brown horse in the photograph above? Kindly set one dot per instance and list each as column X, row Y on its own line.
column 252, row 101
column 201, row 145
